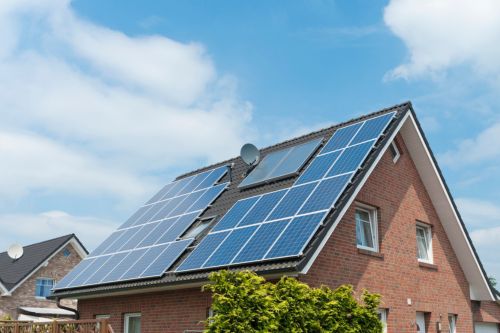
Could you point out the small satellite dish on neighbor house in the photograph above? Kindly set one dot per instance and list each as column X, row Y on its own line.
column 15, row 251
column 250, row 154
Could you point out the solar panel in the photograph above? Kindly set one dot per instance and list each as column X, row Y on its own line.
column 262, row 208
column 261, row 241
column 148, row 243
column 203, row 251
column 296, row 236
column 166, row 258
column 292, row 201
column 282, row 163
column 280, row 224
column 235, row 214
column 230, row 247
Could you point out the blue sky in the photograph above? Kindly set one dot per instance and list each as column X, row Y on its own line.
column 102, row 102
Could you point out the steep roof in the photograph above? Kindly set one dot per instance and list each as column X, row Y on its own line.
column 299, row 265
column 12, row 272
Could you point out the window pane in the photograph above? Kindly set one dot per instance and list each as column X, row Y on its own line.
column 364, row 229
column 134, row 325
column 368, row 234
column 452, row 323
column 422, row 244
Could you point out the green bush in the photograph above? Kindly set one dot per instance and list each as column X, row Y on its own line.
column 245, row 302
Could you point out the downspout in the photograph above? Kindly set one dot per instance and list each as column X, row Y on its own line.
column 60, row 306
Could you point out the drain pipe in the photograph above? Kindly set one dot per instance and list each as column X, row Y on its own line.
column 60, row 306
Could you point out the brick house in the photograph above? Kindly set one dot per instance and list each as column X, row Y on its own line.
column 378, row 216
column 26, row 282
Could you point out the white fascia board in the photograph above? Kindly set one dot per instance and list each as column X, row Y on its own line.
column 72, row 241
column 308, row 265
column 448, row 215
column 3, row 290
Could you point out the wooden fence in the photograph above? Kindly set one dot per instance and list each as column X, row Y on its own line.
column 66, row 326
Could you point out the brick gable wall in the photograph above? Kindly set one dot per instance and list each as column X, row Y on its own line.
column 24, row 295
column 398, row 192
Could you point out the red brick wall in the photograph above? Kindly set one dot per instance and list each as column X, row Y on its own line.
column 401, row 198
column 169, row 311
column 486, row 312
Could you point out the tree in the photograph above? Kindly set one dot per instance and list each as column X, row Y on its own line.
column 245, row 302
column 493, row 281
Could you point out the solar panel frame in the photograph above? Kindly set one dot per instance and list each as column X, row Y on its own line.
column 291, row 203
column 203, row 251
column 172, row 253
column 235, row 214
column 277, row 165
column 230, row 247
column 262, row 208
column 141, row 264
column 255, row 249
column 314, row 226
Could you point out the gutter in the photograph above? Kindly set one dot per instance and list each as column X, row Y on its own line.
column 60, row 306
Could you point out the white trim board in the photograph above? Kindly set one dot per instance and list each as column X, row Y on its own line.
column 443, row 204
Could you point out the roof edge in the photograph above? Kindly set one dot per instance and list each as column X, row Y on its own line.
column 453, row 204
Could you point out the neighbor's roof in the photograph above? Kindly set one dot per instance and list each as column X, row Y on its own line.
column 232, row 194
column 12, row 272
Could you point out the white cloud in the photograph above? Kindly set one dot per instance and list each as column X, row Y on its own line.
column 31, row 162
column 104, row 108
column 479, row 213
column 440, row 34
column 31, row 228
column 483, row 221
column 482, row 148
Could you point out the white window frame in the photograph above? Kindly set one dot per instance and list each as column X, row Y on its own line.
column 373, row 215
column 428, row 232
column 452, row 322
column 395, row 151
column 45, row 279
column 126, row 318
column 383, row 319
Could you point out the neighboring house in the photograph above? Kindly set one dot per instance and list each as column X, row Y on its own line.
column 26, row 282
column 361, row 203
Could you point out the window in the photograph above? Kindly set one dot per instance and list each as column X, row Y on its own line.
column 66, row 253
column 43, row 287
column 424, row 243
column 366, row 228
column 382, row 316
column 132, row 323
column 198, row 228
column 394, row 151
column 452, row 320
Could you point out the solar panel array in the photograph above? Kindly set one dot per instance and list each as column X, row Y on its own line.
column 282, row 163
column 280, row 224
column 148, row 243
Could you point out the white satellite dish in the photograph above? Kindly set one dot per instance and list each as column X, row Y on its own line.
column 250, row 154
column 15, row 251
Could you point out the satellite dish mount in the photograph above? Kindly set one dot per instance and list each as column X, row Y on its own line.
column 15, row 251
column 250, row 154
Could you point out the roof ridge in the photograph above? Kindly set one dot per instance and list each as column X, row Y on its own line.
column 67, row 236
column 338, row 125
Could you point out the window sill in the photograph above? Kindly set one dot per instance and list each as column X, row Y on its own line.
column 371, row 253
column 428, row 265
